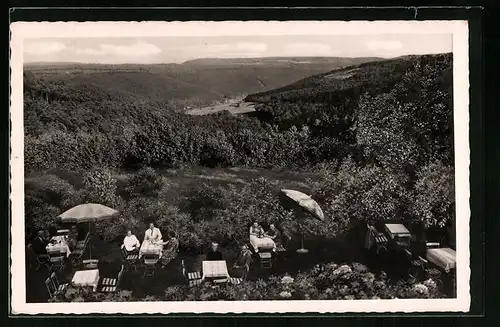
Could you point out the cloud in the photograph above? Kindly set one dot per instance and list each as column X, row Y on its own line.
column 43, row 47
column 384, row 45
column 310, row 49
column 139, row 49
column 242, row 47
column 251, row 47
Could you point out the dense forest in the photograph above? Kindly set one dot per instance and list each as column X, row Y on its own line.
column 378, row 136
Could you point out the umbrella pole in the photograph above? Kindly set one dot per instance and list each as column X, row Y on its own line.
column 302, row 249
column 90, row 242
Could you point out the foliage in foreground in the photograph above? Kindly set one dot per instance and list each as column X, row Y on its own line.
column 323, row 282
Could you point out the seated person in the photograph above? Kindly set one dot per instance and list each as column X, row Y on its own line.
column 256, row 232
column 72, row 238
column 274, row 234
column 242, row 264
column 153, row 234
column 131, row 243
column 214, row 254
column 170, row 250
column 39, row 244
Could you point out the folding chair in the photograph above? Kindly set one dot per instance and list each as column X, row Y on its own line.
column 416, row 266
column 265, row 260
column 381, row 242
column 150, row 261
column 282, row 246
column 130, row 260
column 56, row 260
column 110, row 285
column 50, row 288
column 58, row 287
column 235, row 280
column 431, row 272
column 193, row 278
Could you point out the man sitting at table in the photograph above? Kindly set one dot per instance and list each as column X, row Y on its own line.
column 39, row 243
column 72, row 238
column 153, row 234
column 214, row 254
column 274, row 234
column 131, row 243
column 242, row 264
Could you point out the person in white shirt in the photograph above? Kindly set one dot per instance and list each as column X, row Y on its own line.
column 153, row 234
column 131, row 243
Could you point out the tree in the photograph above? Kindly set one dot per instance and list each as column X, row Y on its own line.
column 434, row 201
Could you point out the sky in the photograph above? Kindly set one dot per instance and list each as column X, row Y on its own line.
column 173, row 49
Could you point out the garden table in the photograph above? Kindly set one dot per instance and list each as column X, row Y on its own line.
column 263, row 243
column 148, row 247
column 61, row 245
column 86, row 278
column 215, row 269
column 444, row 258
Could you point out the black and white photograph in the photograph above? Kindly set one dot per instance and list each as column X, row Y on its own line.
column 251, row 166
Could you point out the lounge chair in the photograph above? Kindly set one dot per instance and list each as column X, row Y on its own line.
column 56, row 260
column 193, row 278
column 59, row 288
column 130, row 260
column 150, row 261
column 110, row 285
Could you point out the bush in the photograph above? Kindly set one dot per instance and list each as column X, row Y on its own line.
column 145, row 183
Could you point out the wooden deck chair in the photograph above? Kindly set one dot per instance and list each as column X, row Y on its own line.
column 110, row 285
column 58, row 287
column 235, row 280
column 265, row 260
column 285, row 239
column 415, row 269
column 431, row 272
column 50, row 288
column 130, row 260
column 381, row 242
column 56, row 260
column 150, row 261
column 193, row 278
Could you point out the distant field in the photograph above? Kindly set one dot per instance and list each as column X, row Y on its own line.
column 242, row 108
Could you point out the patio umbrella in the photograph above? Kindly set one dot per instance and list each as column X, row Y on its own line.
column 87, row 213
column 302, row 203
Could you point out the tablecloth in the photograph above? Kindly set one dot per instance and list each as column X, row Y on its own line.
column 397, row 230
column 215, row 269
column 148, row 247
column 60, row 246
column 83, row 278
column 261, row 243
column 444, row 258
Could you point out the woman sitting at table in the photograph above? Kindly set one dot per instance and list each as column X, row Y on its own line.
column 214, row 254
column 72, row 238
column 256, row 232
column 153, row 234
column 170, row 250
column 131, row 243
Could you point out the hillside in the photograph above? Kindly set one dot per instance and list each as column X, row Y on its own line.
column 196, row 82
